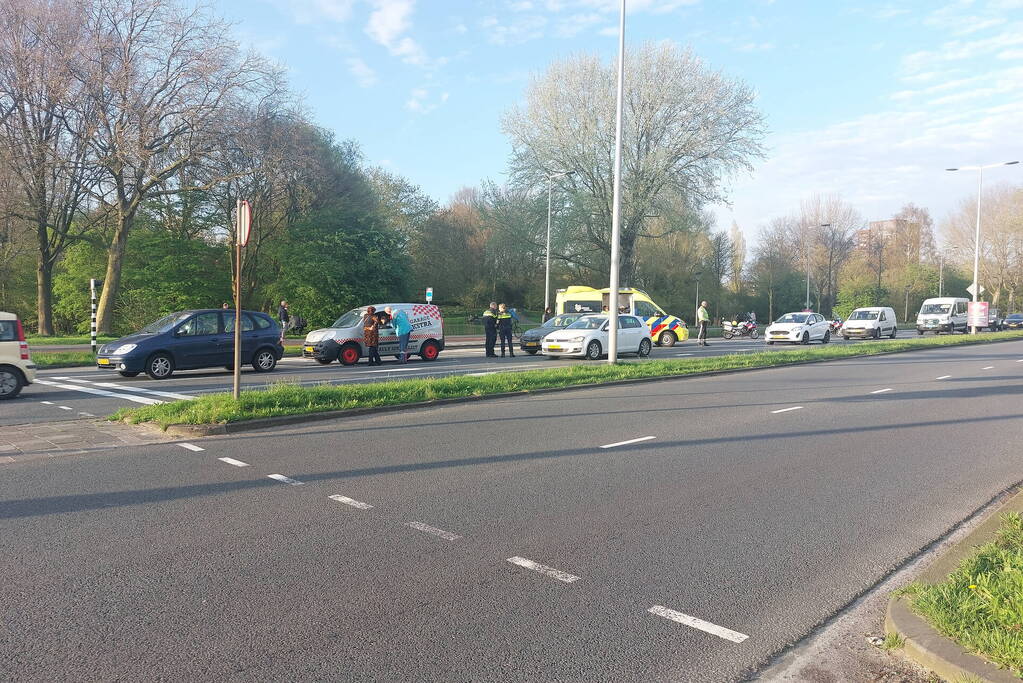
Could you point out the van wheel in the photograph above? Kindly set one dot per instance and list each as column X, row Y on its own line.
column 667, row 338
column 160, row 366
column 920, row 333
column 264, row 361
column 644, row 348
column 593, row 350
column 10, row 383
column 125, row 373
column 877, row 333
column 349, row 354
column 895, row 331
column 429, row 350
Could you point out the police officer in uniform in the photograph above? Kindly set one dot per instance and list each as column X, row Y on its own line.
column 504, row 329
column 490, row 328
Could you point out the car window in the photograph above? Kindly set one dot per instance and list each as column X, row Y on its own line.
column 164, row 324
column 247, row 325
column 201, row 324
column 793, row 318
column 262, row 322
column 882, row 316
column 863, row 315
column 352, row 318
column 582, row 307
column 590, row 322
column 645, row 309
column 8, row 331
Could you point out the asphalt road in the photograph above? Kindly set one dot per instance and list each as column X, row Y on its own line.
column 73, row 393
column 514, row 539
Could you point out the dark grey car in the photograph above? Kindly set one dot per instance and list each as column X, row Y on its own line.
column 531, row 339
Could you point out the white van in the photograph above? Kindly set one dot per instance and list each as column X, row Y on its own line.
column 871, row 322
column 342, row 341
column 946, row 314
column 16, row 367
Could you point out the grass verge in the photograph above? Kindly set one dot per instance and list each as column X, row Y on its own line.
column 63, row 359
column 980, row 605
column 289, row 399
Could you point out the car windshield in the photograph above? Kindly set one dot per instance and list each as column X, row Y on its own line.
column 793, row 318
column 590, row 322
column 935, row 308
column 352, row 318
column 864, row 315
column 1015, row 316
column 560, row 321
column 164, row 324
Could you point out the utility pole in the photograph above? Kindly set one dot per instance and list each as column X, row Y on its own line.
column 616, row 203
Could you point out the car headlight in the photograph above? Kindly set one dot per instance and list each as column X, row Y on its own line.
column 577, row 340
column 124, row 348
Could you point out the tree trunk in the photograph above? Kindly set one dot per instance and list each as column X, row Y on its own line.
column 112, row 279
column 44, row 295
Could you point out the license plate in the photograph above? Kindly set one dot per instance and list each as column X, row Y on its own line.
column 309, row 349
column 530, row 344
column 554, row 347
column 103, row 361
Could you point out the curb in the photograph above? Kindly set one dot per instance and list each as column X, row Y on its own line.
column 197, row 431
column 924, row 644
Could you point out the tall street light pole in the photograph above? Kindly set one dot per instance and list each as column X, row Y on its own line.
column 547, row 277
column 616, row 203
column 976, row 235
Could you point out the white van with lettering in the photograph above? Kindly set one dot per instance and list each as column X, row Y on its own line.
column 945, row 314
column 343, row 341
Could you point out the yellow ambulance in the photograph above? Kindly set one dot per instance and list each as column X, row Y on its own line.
column 665, row 329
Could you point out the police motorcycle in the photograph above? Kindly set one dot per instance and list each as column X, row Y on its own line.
column 741, row 328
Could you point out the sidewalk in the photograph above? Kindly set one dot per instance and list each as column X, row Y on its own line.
column 19, row 443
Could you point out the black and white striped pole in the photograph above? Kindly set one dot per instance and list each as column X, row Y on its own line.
column 92, row 320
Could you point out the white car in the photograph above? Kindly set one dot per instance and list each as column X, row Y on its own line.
column 587, row 337
column 16, row 367
column 799, row 328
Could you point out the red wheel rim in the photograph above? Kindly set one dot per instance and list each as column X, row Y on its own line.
column 430, row 352
column 350, row 355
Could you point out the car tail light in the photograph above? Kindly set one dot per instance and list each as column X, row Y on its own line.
column 22, row 345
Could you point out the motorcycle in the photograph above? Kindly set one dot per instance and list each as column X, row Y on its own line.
column 836, row 327
column 735, row 328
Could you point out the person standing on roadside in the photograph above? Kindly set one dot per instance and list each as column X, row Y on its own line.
column 402, row 328
column 371, row 335
column 547, row 314
column 703, row 320
column 504, row 329
column 283, row 316
column 490, row 329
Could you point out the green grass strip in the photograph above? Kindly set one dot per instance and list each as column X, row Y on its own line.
column 37, row 340
column 63, row 359
column 291, row 399
column 980, row 605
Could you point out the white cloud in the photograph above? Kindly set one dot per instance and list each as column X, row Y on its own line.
column 576, row 24
column 423, row 100
column 364, row 74
column 388, row 22
column 519, row 30
column 313, row 11
column 958, row 50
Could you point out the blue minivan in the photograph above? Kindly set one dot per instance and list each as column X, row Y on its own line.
column 188, row 340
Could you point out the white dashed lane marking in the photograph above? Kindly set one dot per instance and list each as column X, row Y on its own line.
column 785, row 410
column 47, row 403
column 446, row 535
column 882, row 391
column 626, row 443
column 99, row 392
column 350, row 501
column 989, row 367
column 943, row 377
column 140, row 390
column 544, row 569
column 706, row 626
column 232, row 461
column 284, row 480
column 191, row 447
column 64, row 407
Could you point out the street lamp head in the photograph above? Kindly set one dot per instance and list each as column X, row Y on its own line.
column 951, row 169
column 1010, row 163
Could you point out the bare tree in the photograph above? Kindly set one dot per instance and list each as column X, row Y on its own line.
column 738, row 256
column 42, row 103
column 1001, row 243
column 156, row 77
column 687, row 127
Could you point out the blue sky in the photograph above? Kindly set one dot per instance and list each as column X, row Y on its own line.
column 868, row 99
